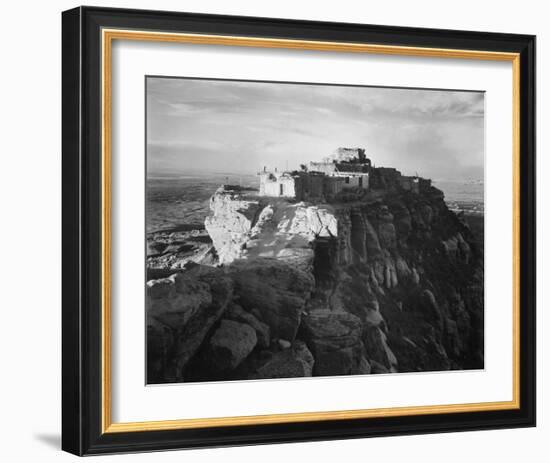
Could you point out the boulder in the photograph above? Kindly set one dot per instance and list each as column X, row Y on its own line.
column 296, row 361
column 237, row 313
column 161, row 288
column 341, row 329
column 334, row 338
column 190, row 337
column 175, row 299
column 274, row 292
column 284, row 344
column 230, row 344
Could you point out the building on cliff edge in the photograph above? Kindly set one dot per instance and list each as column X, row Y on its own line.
column 347, row 168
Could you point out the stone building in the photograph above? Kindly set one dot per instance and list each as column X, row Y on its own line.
column 277, row 184
column 353, row 175
column 349, row 164
column 347, row 168
column 299, row 185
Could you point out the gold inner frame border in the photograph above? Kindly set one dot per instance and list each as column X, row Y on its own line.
column 107, row 38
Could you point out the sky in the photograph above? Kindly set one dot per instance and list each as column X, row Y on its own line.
column 209, row 126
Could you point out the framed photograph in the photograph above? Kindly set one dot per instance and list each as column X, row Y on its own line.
column 280, row 231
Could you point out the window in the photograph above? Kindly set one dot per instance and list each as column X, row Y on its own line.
column 281, row 189
column 347, row 179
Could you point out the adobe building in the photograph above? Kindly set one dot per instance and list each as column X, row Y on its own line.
column 347, row 168
column 299, row 185
column 277, row 184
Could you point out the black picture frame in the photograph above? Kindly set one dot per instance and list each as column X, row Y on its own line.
column 82, row 428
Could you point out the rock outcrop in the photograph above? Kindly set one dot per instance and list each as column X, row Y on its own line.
column 293, row 362
column 183, row 322
column 237, row 313
column 335, row 341
column 231, row 222
column 274, row 292
column 230, row 345
column 386, row 281
column 244, row 227
column 172, row 249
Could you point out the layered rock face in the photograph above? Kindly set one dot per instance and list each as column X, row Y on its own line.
column 248, row 228
column 390, row 283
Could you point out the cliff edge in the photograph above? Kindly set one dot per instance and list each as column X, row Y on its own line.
column 388, row 281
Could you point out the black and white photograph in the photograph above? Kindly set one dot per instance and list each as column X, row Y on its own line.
column 298, row 230
column 275, row 231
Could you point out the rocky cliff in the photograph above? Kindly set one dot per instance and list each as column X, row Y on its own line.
column 391, row 281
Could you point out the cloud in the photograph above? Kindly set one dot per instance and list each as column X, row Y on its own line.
column 218, row 125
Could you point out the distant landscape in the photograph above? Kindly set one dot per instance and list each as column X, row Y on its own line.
column 176, row 200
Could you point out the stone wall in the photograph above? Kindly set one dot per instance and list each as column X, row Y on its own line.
column 332, row 186
column 355, row 180
column 323, row 167
column 309, row 186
